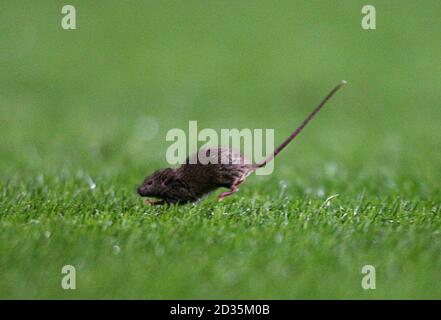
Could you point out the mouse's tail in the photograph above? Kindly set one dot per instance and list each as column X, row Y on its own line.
column 301, row 127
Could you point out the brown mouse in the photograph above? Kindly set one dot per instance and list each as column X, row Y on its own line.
column 227, row 168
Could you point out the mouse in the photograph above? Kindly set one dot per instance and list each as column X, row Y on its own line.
column 225, row 168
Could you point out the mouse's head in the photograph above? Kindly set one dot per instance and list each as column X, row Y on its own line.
column 156, row 184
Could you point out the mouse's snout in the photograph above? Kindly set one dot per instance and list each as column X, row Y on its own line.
column 142, row 191
column 146, row 190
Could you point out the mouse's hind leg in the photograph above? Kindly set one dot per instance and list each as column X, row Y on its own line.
column 234, row 188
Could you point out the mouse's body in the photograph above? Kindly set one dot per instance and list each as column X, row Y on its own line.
column 202, row 173
column 210, row 169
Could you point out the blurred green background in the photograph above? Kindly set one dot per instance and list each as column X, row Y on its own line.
column 83, row 118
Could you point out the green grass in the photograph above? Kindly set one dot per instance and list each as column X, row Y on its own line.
column 92, row 107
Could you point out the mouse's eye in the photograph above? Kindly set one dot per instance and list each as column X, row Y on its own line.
column 149, row 183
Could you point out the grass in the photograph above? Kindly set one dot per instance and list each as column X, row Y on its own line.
column 84, row 115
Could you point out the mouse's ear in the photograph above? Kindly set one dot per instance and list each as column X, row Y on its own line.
column 167, row 180
column 167, row 176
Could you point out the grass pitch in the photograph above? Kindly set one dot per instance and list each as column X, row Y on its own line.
column 84, row 115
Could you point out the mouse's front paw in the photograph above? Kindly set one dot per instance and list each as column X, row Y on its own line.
column 153, row 202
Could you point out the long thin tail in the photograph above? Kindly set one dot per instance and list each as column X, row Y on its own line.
column 301, row 127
